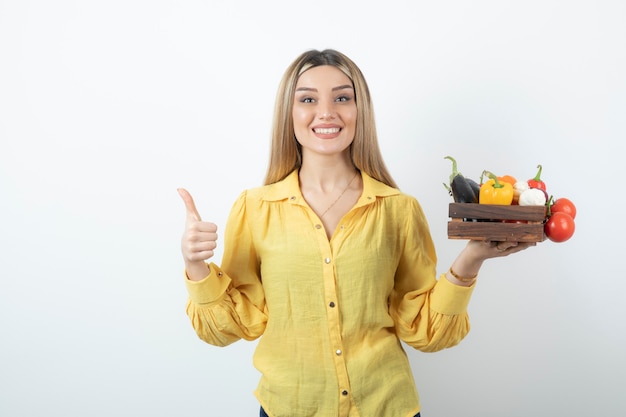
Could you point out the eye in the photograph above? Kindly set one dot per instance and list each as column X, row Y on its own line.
column 305, row 99
column 343, row 99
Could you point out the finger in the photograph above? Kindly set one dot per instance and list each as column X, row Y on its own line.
column 203, row 246
column 196, row 234
column 502, row 246
column 506, row 248
column 201, row 256
column 198, row 250
column 189, row 204
column 205, row 227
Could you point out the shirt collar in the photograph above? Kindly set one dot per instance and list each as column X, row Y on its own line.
column 289, row 189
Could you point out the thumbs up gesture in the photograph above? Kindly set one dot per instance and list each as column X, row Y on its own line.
column 199, row 239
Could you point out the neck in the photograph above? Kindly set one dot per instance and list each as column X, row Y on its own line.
column 326, row 175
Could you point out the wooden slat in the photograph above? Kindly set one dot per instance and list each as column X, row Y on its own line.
column 496, row 212
column 496, row 231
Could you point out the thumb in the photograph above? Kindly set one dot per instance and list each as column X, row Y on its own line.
column 189, row 204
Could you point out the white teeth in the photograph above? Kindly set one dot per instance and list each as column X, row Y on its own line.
column 327, row 131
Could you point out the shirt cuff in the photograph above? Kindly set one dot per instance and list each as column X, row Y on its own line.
column 449, row 299
column 210, row 289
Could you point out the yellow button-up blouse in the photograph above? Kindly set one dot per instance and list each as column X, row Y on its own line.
column 330, row 314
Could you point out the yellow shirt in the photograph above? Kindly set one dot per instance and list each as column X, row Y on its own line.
column 331, row 313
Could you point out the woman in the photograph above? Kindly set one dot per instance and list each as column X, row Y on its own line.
column 328, row 263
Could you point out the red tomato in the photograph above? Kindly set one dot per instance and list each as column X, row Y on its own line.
column 559, row 227
column 564, row 205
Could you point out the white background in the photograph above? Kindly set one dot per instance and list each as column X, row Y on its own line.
column 106, row 107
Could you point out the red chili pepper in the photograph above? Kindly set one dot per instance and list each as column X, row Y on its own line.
column 536, row 182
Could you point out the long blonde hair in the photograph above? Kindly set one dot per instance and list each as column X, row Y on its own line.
column 286, row 152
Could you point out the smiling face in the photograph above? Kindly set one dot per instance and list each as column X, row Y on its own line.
column 324, row 111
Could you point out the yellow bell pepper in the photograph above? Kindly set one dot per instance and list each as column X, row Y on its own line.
column 495, row 192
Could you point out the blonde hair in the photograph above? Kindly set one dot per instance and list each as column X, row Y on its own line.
column 286, row 153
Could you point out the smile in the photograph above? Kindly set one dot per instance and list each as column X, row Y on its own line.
column 326, row 130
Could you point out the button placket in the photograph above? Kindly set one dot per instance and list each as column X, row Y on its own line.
column 334, row 315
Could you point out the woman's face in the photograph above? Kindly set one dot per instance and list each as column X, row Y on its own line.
column 324, row 111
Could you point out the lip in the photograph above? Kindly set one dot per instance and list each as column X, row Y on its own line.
column 326, row 131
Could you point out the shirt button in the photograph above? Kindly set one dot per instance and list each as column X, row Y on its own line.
column 327, row 260
column 318, row 226
column 344, row 392
column 292, row 198
column 331, row 304
column 338, row 352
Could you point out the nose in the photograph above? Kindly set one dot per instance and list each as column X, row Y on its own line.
column 326, row 111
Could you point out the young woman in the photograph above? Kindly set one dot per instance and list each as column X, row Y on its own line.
column 328, row 263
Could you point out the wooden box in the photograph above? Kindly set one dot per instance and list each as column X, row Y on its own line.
column 496, row 223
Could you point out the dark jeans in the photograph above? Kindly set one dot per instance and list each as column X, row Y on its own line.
column 264, row 414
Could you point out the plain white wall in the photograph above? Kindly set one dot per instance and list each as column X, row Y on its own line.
column 106, row 107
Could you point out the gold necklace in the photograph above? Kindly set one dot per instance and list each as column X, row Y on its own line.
column 340, row 195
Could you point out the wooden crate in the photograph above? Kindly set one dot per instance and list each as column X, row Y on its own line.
column 496, row 223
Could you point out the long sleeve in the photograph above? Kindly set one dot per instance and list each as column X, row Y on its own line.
column 429, row 315
column 229, row 304
column 338, row 307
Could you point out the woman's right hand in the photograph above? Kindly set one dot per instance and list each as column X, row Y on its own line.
column 199, row 240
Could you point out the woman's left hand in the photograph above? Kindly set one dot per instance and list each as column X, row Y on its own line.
column 469, row 261
column 490, row 249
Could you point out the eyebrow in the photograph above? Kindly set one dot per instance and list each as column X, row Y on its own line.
column 341, row 87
